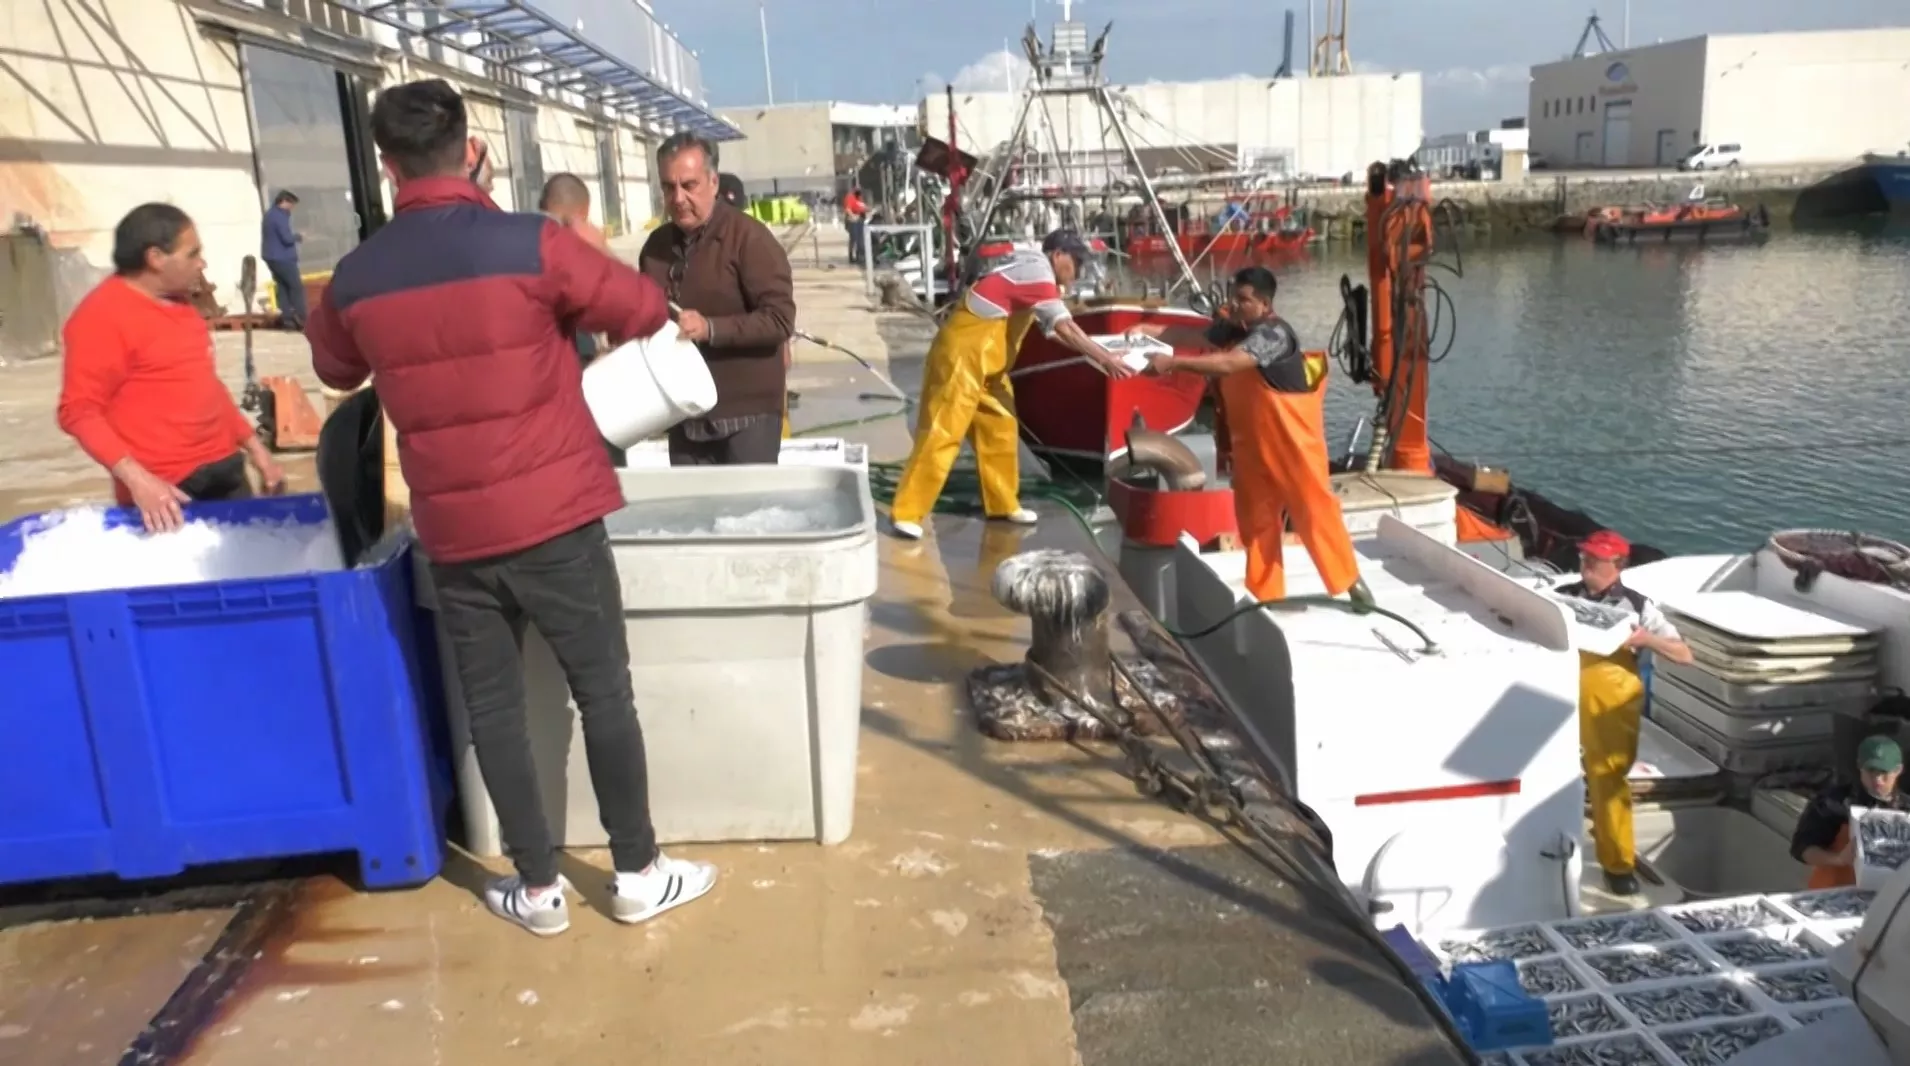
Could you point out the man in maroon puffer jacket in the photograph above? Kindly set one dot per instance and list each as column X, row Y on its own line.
column 461, row 312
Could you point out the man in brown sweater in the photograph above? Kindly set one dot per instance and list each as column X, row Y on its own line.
column 730, row 276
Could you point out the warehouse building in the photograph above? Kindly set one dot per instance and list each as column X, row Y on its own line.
column 1781, row 97
column 1318, row 127
column 214, row 105
column 816, row 147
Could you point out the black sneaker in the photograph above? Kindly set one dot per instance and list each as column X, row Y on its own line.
column 1360, row 594
column 1621, row 884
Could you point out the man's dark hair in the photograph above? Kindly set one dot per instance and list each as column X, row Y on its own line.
column 144, row 228
column 1260, row 280
column 564, row 190
column 684, row 140
column 1068, row 243
column 421, row 127
column 285, row 196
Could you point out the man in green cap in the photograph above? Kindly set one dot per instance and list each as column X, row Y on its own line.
column 1823, row 840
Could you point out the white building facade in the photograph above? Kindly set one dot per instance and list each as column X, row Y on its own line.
column 812, row 147
column 1784, row 97
column 1324, row 127
column 215, row 105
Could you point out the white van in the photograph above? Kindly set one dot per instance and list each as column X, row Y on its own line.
column 1712, row 157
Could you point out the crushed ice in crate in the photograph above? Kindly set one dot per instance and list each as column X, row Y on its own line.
column 1548, row 977
column 1582, row 1016
column 1832, row 903
column 1757, row 949
column 1885, row 837
column 1628, row 1049
column 1727, row 917
column 769, row 514
column 75, row 551
column 1614, row 930
column 1806, row 984
column 1714, row 1045
column 1686, row 1003
column 1517, row 942
column 1627, row 966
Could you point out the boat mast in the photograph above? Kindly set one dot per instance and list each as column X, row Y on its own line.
column 1065, row 68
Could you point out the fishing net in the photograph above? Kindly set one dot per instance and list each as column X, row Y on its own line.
column 1852, row 556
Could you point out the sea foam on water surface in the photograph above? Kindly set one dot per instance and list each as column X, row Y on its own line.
column 75, row 551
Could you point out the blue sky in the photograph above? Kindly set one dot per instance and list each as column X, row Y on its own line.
column 1474, row 53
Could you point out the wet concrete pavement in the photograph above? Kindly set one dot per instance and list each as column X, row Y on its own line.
column 996, row 903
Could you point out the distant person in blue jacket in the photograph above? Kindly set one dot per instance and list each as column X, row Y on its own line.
column 278, row 246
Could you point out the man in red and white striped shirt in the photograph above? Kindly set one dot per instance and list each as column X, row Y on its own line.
column 965, row 384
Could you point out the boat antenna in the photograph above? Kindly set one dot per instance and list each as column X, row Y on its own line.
column 1068, row 67
column 1592, row 40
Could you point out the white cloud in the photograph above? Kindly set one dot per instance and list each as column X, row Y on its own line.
column 1480, row 77
column 999, row 71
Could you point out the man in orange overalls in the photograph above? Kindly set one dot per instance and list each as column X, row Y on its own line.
column 1274, row 396
column 1822, row 840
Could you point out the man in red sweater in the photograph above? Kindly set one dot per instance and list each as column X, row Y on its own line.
column 140, row 391
column 463, row 314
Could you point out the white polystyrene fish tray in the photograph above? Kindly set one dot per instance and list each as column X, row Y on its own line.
column 1748, row 616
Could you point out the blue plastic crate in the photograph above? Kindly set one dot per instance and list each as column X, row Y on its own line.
column 1494, row 1010
column 153, row 729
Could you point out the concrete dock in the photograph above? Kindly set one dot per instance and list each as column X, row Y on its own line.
column 997, row 903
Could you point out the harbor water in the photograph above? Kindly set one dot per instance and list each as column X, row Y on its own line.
column 1694, row 398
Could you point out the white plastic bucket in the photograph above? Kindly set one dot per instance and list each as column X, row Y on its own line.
column 646, row 386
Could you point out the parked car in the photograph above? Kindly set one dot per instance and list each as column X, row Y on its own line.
column 1712, row 157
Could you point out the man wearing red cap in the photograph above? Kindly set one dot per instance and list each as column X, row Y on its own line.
column 1611, row 699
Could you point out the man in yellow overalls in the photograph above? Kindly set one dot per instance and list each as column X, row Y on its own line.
column 965, row 388
column 1611, row 699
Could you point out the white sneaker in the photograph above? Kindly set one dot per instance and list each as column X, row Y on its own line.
column 906, row 530
column 543, row 913
column 1022, row 517
column 666, row 885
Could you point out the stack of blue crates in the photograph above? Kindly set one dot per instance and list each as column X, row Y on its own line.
column 153, row 729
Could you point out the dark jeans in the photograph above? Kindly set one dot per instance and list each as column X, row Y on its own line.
column 567, row 587
column 759, row 442
column 856, row 227
column 223, row 480
column 291, row 292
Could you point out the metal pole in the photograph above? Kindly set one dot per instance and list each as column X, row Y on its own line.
column 769, row 83
column 1147, row 187
column 1312, row 45
column 1626, row 37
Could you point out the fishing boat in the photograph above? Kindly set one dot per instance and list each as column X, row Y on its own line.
column 1067, row 407
column 1251, row 229
column 1708, row 221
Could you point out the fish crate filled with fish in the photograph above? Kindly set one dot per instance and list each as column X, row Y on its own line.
column 1615, row 930
column 1792, row 986
column 1716, row 1043
column 1726, row 916
column 1613, row 1049
column 1883, row 843
column 1769, row 946
column 1638, row 963
column 1827, row 905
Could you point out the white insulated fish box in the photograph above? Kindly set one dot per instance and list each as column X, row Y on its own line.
column 1450, row 778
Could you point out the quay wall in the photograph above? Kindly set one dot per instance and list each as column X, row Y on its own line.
column 1536, row 201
